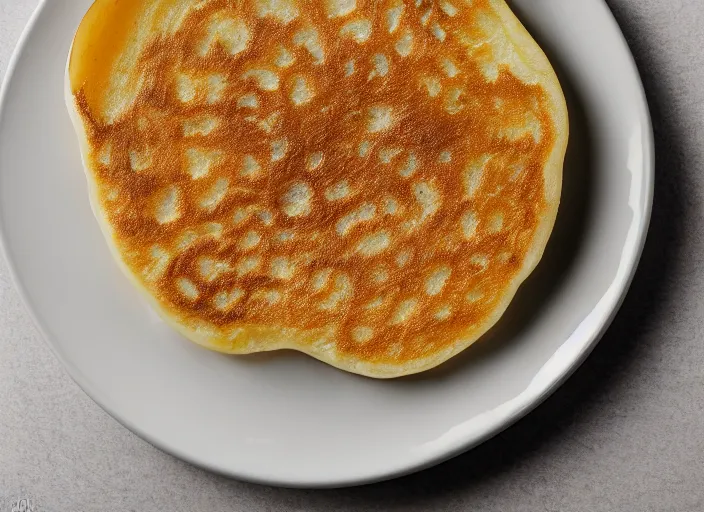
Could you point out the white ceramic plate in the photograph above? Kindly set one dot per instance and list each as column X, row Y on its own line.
column 284, row 418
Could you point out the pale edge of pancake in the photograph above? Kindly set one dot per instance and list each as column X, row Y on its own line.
column 532, row 55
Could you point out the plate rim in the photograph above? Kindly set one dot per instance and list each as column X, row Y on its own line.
column 526, row 405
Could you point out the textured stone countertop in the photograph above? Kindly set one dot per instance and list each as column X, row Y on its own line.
column 626, row 433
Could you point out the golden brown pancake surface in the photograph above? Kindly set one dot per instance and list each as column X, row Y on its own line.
column 364, row 181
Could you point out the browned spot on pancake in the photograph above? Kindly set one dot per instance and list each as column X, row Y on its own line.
column 379, row 115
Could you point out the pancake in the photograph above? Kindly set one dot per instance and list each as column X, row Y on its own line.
column 367, row 182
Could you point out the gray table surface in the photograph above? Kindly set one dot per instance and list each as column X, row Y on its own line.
column 626, row 433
